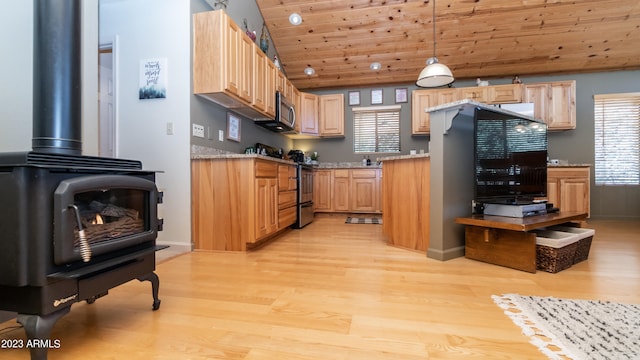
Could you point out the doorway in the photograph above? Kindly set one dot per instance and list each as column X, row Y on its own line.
column 107, row 122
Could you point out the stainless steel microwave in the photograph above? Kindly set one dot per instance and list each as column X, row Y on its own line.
column 285, row 118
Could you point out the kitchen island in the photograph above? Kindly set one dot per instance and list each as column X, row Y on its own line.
column 405, row 199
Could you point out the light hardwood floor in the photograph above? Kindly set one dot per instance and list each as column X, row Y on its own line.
column 333, row 291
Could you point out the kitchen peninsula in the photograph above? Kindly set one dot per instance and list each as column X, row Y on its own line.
column 406, row 199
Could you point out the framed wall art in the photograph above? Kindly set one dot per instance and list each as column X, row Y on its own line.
column 354, row 98
column 401, row 95
column 233, row 127
column 376, row 96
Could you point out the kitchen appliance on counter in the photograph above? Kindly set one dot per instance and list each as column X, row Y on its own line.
column 262, row 149
column 304, row 179
column 296, row 156
column 285, row 117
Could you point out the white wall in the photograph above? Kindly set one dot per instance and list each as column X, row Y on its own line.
column 16, row 77
column 148, row 29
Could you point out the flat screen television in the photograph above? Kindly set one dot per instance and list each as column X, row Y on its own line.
column 510, row 158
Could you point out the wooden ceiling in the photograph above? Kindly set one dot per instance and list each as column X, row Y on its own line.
column 475, row 38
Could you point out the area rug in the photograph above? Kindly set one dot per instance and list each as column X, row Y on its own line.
column 363, row 220
column 576, row 329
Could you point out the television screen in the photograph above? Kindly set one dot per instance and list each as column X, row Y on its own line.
column 510, row 158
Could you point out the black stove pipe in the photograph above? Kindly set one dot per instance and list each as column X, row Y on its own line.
column 57, row 77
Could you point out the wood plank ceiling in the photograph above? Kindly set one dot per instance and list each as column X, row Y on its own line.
column 475, row 38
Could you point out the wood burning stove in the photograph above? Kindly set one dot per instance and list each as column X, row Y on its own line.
column 47, row 203
column 71, row 227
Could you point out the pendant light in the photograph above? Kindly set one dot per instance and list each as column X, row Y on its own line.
column 434, row 74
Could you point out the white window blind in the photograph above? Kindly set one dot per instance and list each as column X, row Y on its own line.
column 617, row 139
column 376, row 129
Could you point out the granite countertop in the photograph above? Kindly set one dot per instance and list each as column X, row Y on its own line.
column 404, row 157
column 239, row 156
column 347, row 165
column 567, row 165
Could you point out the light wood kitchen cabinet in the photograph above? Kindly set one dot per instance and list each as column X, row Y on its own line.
column 263, row 83
column 364, row 190
column 554, row 103
column 406, row 194
column 308, row 113
column 322, row 190
column 331, row 115
column 423, row 99
column 341, row 190
column 266, row 192
column 229, row 69
column 503, row 94
column 287, row 195
column 295, row 98
column 348, row 190
column 568, row 188
column 235, row 203
column 476, row 93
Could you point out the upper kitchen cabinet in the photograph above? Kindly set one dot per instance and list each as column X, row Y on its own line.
column 308, row 114
column 227, row 68
column 263, row 82
column 424, row 99
column 554, row 103
column 494, row 94
column 331, row 120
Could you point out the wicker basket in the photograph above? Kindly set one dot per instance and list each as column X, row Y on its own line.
column 585, row 237
column 555, row 250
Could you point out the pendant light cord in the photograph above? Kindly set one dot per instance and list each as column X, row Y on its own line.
column 434, row 28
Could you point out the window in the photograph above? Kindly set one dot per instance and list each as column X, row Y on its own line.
column 376, row 129
column 617, row 139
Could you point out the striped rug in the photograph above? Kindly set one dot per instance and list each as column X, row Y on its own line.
column 363, row 220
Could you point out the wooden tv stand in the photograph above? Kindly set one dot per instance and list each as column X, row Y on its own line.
column 507, row 241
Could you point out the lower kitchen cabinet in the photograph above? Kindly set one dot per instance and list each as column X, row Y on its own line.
column 287, row 195
column 266, row 193
column 341, row 190
column 235, row 203
column 322, row 190
column 568, row 188
column 364, row 190
column 348, row 190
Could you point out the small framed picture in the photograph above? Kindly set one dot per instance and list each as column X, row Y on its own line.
column 354, row 97
column 233, row 127
column 401, row 95
column 376, row 96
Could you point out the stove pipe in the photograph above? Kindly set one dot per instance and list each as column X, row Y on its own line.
column 57, row 77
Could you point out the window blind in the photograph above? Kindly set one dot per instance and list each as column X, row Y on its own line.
column 376, row 129
column 617, row 139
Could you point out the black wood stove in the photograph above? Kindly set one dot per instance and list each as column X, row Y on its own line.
column 71, row 226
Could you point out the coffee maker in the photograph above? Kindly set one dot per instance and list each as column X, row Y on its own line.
column 296, row 156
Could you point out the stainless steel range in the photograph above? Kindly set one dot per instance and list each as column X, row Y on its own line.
column 304, row 177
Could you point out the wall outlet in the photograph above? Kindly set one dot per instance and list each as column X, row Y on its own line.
column 198, row 131
column 220, row 135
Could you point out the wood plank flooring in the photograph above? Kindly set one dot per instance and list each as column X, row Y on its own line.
column 333, row 291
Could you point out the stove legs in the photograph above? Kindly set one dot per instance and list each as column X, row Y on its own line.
column 38, row 329
column 155, row 285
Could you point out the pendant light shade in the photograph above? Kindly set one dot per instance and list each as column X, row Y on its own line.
column 434, row 74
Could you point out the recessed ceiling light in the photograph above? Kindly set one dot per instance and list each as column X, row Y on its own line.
column 309, row 71
column 295, row 19
column 375, row 66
